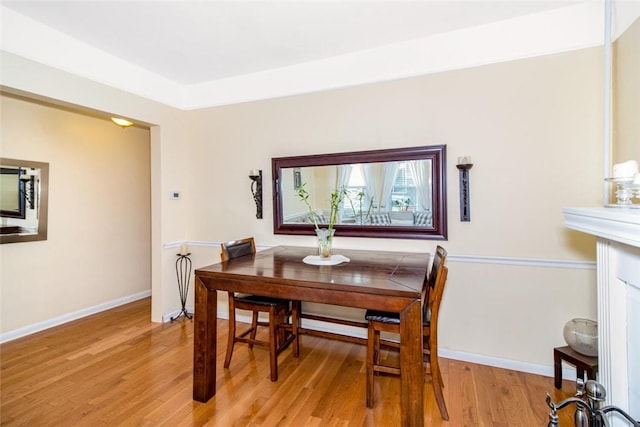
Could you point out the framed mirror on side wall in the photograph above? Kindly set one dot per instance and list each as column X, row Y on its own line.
column 391, row 193
column 24, row 190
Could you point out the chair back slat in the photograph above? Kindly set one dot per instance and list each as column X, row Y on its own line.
column 436, row 299
column 431, row 281
column 438, row 259
column 237, row 248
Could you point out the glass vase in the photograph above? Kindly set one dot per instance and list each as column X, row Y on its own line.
column 325, row 238
column 582, row 336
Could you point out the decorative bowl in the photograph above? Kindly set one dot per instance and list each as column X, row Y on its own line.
column 582, row 336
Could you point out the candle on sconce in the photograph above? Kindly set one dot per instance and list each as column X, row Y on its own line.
column 464, row 160
column 184, row 249
column 254, row 172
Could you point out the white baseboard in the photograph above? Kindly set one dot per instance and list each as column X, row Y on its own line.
column 568, row 371
column 65, row 318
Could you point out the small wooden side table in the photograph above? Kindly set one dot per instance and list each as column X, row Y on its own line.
column 580, row 361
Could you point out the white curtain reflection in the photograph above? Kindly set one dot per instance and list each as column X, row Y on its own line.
column 421, row 171
column 389, row 171
column 369, row 173
column 344, row 171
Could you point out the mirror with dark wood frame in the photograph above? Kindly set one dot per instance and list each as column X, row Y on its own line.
column 24, row 193
column 390, row 193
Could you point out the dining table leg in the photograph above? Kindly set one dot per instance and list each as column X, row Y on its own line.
column 411, row 366
column 204, row 342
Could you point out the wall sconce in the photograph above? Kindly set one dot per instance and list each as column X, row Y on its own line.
column 256, row 189
column 464, row 164
column 297, row 178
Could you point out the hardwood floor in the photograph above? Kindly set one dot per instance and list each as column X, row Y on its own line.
column 117, row 368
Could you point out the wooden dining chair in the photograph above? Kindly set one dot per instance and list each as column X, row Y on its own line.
column 379, row 321
column 281, row 333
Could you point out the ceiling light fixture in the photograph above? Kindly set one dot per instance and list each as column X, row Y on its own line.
column 121, row 122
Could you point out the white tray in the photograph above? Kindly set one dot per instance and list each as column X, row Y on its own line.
column 317, row 260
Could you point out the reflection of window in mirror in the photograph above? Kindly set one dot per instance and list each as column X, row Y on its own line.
column 357, row 203
column 377, row 187
column 370, row 189
column 389, row 193
column 403, row 193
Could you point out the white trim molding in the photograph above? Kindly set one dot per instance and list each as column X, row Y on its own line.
column 474, row 259
column 523, row 262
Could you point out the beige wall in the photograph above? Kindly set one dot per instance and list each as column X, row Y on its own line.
column 533, row 128
column 170, row 135
column 98, row 245
column 626, row 95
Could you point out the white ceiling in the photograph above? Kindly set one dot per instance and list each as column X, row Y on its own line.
column 194, row 42
column 200, row 42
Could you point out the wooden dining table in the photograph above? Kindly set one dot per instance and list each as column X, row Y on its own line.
column 371, row 279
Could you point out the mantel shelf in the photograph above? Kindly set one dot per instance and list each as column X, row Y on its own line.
column 617, row 224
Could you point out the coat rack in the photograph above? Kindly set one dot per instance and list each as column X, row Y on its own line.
column 183, row 275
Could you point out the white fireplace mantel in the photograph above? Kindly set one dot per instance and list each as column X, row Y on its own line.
column 618, row 270
column 616, row 224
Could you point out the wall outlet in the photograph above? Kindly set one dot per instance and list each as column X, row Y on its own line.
column 175, row 195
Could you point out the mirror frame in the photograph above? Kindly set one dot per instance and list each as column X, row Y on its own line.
column 436, row 153
column 43, row 205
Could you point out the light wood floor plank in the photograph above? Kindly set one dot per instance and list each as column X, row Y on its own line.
column 116, row 368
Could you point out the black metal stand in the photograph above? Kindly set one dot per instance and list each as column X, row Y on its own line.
column 183, row 274
column 465, row 204
column 256, row 190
